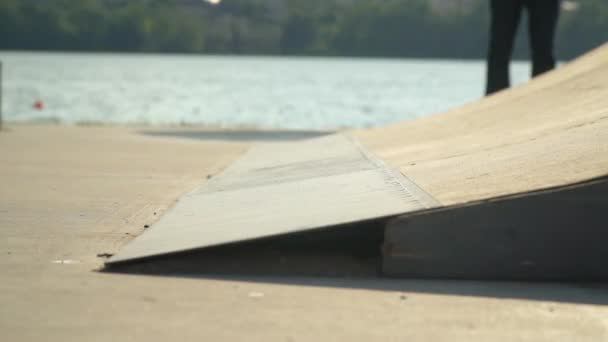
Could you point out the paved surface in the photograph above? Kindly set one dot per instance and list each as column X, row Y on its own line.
column 70, row 193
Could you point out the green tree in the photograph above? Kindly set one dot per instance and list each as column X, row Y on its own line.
column 387, row 28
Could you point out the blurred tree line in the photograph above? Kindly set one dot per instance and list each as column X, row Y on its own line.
column 388, row 28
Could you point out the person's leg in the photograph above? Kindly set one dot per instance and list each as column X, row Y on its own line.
column 505, row 19
column 543, row 16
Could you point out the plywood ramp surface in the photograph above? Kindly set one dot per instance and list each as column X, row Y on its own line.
column 282, row 188
column 549, row 132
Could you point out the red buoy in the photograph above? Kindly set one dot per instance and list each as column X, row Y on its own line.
column 39, row 105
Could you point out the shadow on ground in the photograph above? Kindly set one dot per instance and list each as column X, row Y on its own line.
column 238, row 135
column 341, row 258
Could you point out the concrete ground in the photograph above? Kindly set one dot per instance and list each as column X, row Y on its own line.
column 70, row 193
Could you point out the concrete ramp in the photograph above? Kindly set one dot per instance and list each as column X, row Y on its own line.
column 277, row 189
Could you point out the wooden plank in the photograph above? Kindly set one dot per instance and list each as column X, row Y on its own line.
column 560, row 233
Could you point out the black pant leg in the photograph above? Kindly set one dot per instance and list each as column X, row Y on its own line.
column 543, row 16
column 505, row 19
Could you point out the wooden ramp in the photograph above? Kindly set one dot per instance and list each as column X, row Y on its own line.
column 549, row 134
column 553, row 234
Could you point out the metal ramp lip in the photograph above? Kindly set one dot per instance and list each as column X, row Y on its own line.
column 256, row 198
column 406, row 183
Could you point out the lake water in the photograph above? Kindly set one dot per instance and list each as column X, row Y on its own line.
column 231, row 92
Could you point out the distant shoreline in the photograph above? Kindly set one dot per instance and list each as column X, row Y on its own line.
column 277, row 56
